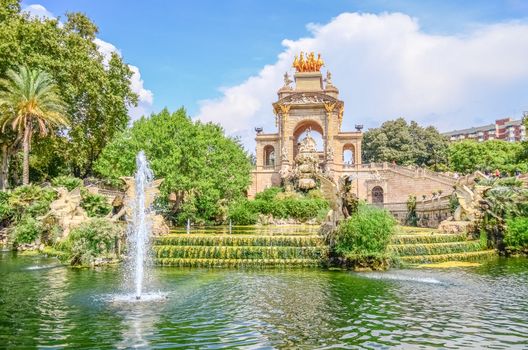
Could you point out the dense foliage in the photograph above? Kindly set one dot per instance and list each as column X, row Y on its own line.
column 95, row 205
column 280, row 205
column 516, row 235
column 468, row 156
column 403, row 143
column 97, row 238
column 96, row 90
column 203, row 170
column 69, row 182
column 505, row 203
column 366, row 233
column 20, row 210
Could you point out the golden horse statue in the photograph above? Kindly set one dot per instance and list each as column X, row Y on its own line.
column 308, row 64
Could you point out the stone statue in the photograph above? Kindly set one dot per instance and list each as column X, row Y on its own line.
column 308, row 64
column 284, row 153
column 328, row 78
column 287, row 80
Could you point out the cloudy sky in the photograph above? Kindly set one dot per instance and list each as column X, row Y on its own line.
column 452, row 64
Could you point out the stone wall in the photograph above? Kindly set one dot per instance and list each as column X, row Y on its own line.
column 430, row 212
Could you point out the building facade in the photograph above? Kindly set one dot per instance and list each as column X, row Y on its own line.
column 505, row 129
column 312, row 105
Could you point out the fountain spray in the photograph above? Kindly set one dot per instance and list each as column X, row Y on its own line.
column 140, row 227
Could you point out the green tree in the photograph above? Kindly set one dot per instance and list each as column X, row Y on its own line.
column 31, row 101
column 403, row 143
column 96, row 89
column 204, row 169
column 469, row 155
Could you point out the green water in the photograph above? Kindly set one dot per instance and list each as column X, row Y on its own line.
column 43, row 305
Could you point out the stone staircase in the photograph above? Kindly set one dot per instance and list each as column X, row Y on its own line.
column 422, row 246
column 275, row 249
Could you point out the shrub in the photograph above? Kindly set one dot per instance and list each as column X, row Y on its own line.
column 516, row 235
column 268, row 194
column 69, row 182
column 26, row 230
column 93, row 239
column 242, row 213
column 366, row 233
column 315, row 194
column 5, row 208
column 95, row 205
column 30, row 200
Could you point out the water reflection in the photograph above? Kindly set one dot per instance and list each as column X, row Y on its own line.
column 473, row 307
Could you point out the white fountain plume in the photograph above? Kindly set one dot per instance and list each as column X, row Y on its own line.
column 140, row 226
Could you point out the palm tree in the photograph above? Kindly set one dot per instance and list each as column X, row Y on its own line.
column 31, row 102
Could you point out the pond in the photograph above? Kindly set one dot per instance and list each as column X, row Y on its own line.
column 45, row 305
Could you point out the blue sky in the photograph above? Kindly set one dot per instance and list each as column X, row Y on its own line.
column 191, row 51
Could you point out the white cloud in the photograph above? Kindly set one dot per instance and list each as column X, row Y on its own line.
column 146, row 96
column 385, row 67
column 37, row 10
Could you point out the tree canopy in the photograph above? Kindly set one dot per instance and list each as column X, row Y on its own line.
column 403, row 143
column 469, row 155
column 204, row 170
column 97, row 91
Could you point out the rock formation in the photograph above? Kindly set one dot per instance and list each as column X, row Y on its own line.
column 66, row 210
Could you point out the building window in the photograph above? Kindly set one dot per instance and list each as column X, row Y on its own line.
column 348, row 155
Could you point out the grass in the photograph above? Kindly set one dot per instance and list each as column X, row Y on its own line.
column 240, row 252
column 238, row 262
column 238, row 240
column 421, row 259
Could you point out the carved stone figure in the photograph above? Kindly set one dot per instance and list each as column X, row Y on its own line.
column 328, row 78
column 287, row 81
column 284, row 153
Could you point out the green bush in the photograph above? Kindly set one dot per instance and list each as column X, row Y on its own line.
column 366, row 233
column 268, row 194
column 69, row 182
column 93, row 239
column 241, row 213
column 26, row 230
column 95, row 205
column 271, row 202
column 5, row 208
column 516, row 235
column 30, row 200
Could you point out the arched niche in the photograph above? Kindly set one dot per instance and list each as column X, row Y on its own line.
column 269, row 156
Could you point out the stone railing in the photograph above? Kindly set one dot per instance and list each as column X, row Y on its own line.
column 411, row 171
column 430, row 212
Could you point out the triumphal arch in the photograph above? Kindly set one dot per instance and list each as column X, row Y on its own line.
column 311, row 106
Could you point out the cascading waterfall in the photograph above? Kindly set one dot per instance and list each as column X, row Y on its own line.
column 139, row 227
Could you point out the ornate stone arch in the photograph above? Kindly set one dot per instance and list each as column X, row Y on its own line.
column 301, row 127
